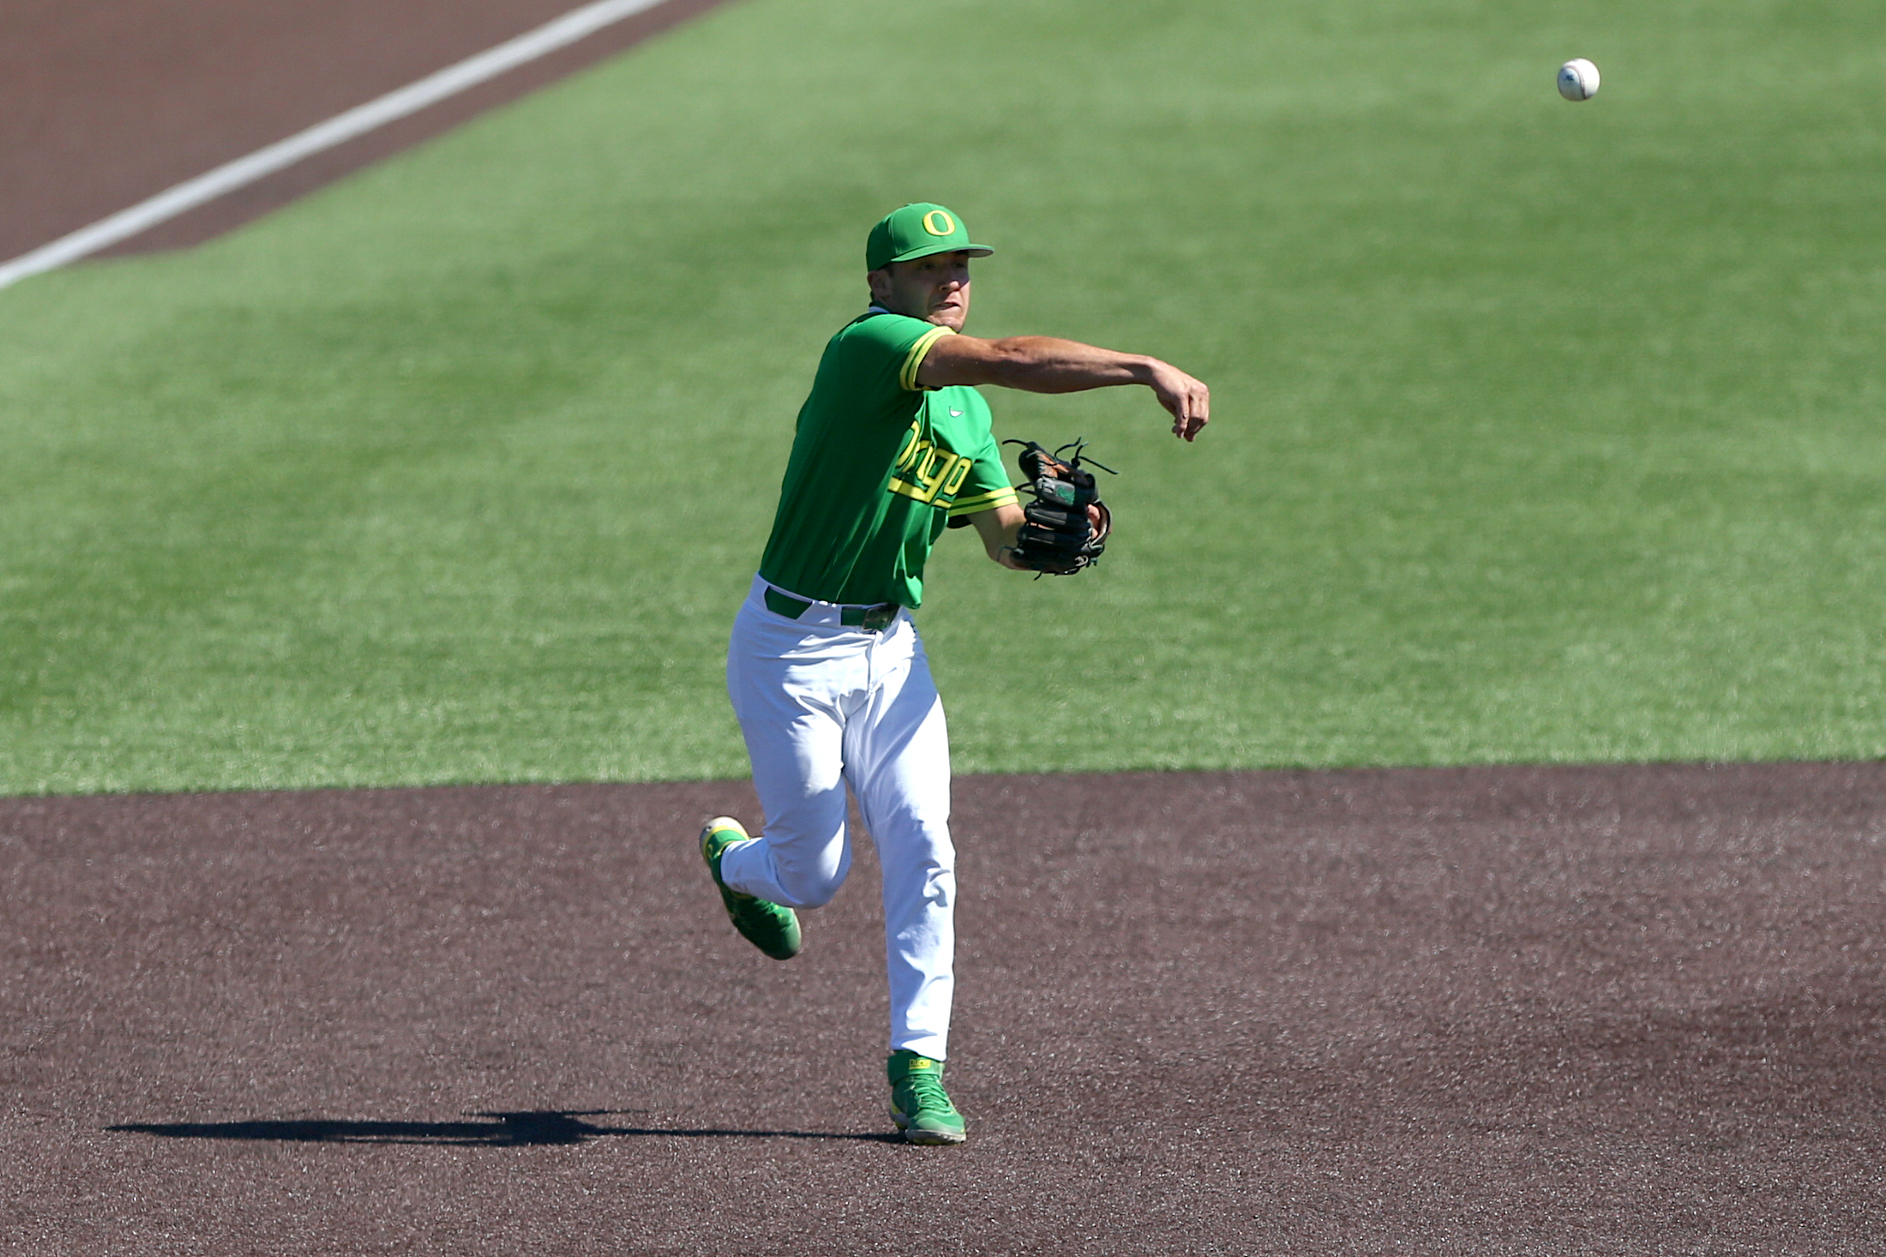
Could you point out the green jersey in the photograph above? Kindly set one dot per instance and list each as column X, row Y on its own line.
column 879, row 467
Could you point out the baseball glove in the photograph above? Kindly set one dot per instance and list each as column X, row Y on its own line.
column 1067, row 525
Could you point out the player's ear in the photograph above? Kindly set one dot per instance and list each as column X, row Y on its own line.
column 880, row 281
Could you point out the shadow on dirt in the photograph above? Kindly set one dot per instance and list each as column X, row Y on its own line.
column 495, row 1130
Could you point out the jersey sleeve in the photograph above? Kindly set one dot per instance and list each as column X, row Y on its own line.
column 895, row 344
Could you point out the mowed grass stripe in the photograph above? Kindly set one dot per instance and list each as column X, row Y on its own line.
column 1544, row 431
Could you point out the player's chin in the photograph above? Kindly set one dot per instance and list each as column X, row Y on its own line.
column 951, row 317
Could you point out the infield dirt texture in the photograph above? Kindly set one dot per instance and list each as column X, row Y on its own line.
column 1481, row 1010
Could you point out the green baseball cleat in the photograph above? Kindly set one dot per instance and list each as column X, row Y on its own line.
column 919, row 1105
column 768, row 926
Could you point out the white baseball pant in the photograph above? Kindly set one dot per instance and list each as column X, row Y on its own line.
column 823, row 705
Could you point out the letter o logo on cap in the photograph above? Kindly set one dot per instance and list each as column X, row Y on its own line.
column 938, row 223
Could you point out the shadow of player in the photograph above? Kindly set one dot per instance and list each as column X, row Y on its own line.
column 493, row 1130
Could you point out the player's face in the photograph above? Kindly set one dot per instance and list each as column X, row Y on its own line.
column 935, row 289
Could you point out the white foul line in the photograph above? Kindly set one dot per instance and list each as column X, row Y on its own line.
column 407, row 100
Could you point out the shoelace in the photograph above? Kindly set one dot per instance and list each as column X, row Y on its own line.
column 926, row 1092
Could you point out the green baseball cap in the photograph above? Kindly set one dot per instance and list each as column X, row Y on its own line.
column 917, row 231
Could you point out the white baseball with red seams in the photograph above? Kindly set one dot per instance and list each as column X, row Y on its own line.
column 1578, row 79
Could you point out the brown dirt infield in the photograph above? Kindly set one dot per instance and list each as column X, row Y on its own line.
column 1566, row 1010
column 113, row 101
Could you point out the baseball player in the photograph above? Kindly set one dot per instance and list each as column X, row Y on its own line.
column 826, row 670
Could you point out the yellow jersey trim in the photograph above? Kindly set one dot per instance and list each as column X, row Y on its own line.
column 984, row 502
column 914, row 359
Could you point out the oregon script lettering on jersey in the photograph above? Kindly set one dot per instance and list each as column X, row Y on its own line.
column 928, row 471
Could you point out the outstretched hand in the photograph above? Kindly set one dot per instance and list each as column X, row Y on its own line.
column 1187, row 398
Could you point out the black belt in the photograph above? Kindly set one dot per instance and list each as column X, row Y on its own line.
column 875, row 619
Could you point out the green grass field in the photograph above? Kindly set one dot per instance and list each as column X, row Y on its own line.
column 1544, row 432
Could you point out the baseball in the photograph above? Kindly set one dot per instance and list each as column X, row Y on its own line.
column 1578, row 79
